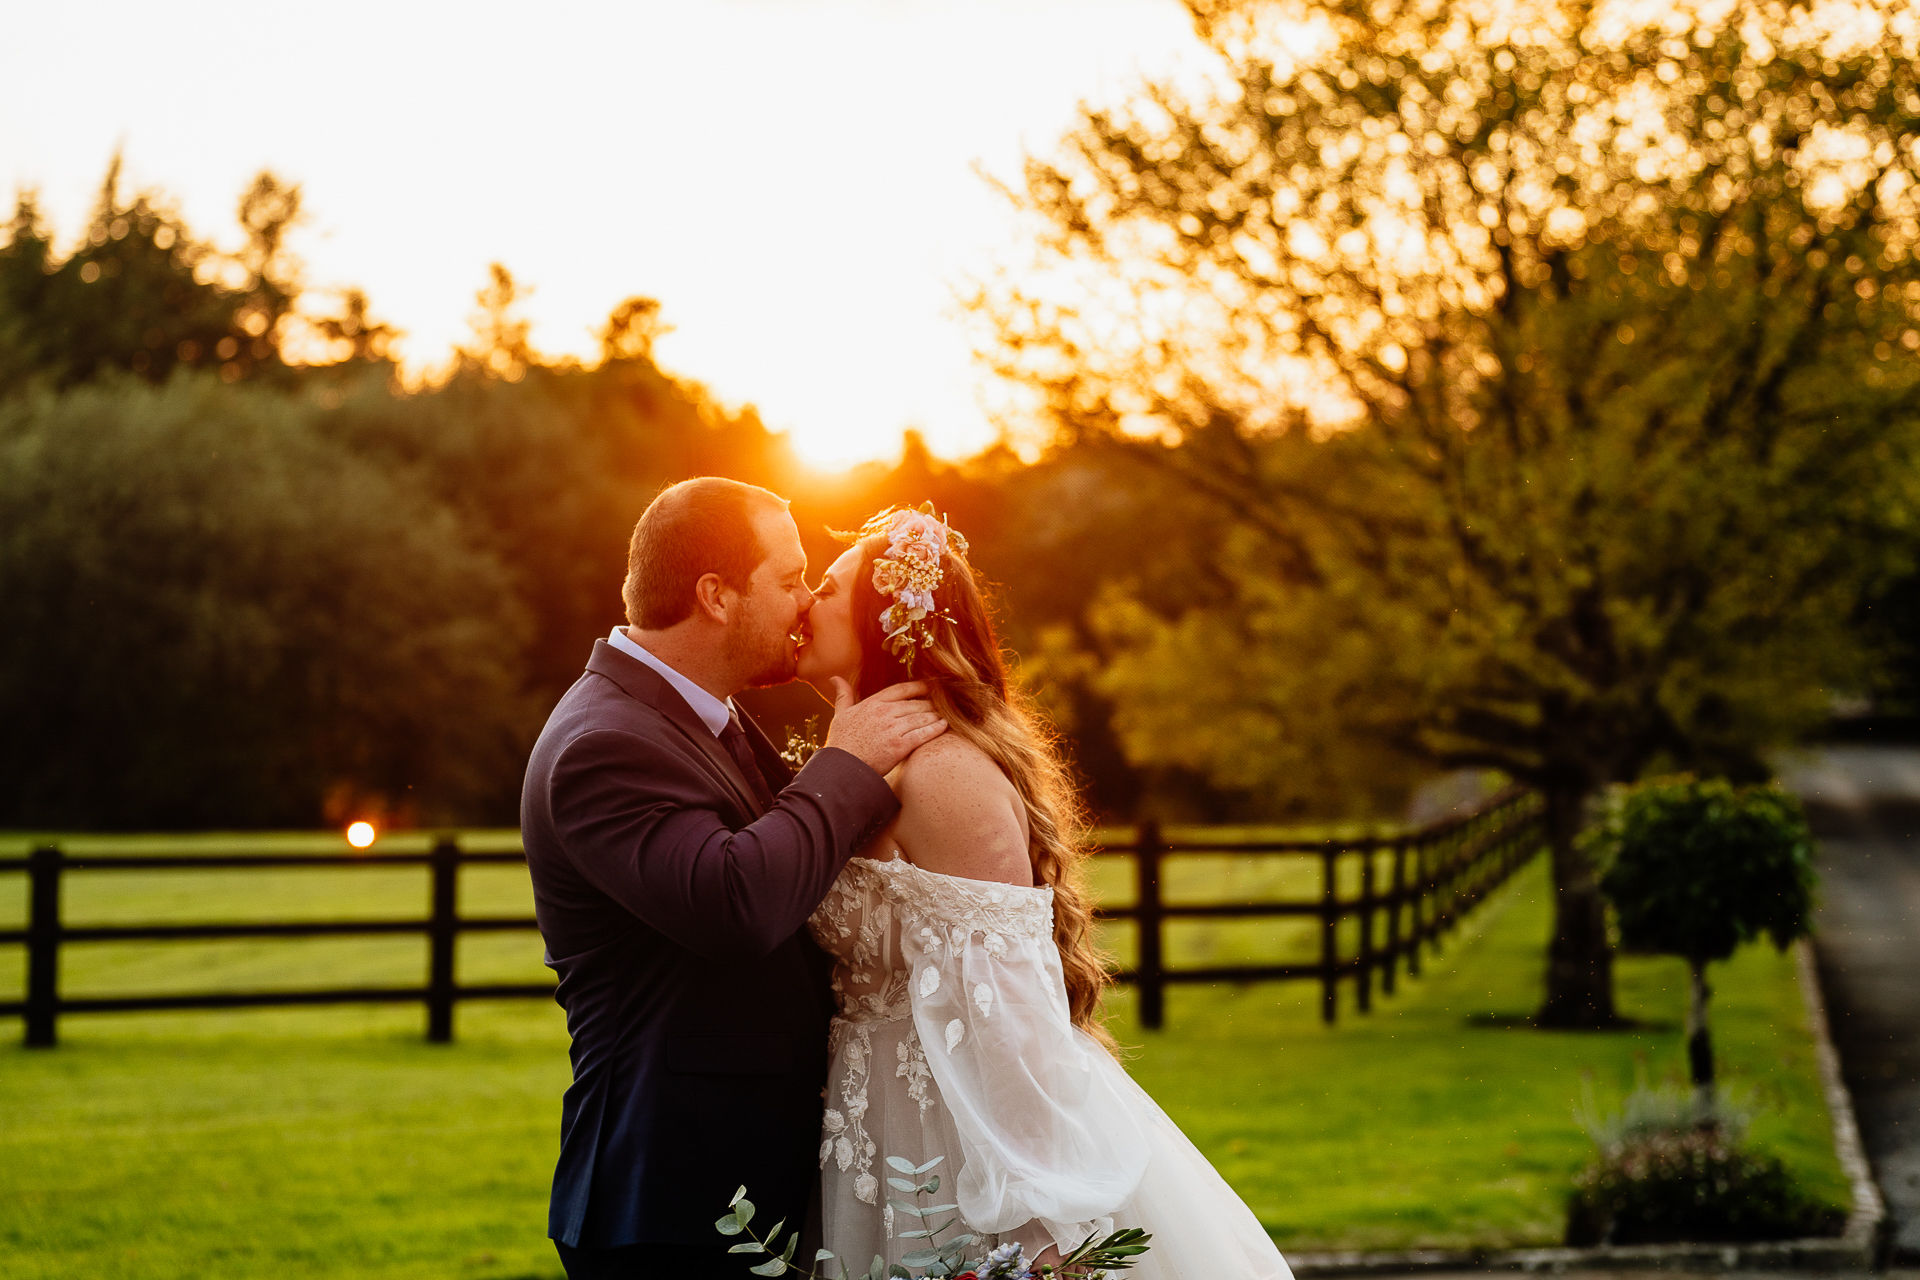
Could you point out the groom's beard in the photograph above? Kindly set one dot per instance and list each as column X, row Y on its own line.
column 768, row 655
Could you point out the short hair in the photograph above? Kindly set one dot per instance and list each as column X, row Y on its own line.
column 691, row 529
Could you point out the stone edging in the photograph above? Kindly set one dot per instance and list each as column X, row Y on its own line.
column 1856, row 1248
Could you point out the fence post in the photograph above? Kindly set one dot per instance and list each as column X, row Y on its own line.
column 1152, row 967
column 1415, row 906
column 443, row 929
column 1364, row 990
column 43, row 948
column 1329, row 943
column 1395, row 895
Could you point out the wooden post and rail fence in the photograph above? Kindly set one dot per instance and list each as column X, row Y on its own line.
column 1412, row 888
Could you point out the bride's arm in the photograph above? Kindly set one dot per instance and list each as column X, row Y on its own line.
column 1050, row 1143
column 1049, row 1134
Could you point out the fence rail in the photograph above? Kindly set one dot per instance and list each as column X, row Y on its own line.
column 1433, row 877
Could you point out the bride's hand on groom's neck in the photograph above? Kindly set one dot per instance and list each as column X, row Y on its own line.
column 885, row 729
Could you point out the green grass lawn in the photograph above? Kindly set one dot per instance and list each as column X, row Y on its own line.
column 335, row 1143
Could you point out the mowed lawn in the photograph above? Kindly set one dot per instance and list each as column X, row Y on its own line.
column 337, row 1143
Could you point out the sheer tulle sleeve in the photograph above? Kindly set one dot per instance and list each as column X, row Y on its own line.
column 1046, row 1129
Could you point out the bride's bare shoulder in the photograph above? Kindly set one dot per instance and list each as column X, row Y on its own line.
column 959, row 815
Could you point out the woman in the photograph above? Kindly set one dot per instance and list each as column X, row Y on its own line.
column 966, row 976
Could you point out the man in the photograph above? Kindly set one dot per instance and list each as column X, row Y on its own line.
column 675, row 860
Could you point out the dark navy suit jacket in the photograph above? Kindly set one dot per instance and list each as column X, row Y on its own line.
column 674, row 911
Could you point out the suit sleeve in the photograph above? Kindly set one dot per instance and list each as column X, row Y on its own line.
column 640, row 822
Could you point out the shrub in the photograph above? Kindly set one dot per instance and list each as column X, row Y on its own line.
column 1695, row 868
column 1692, row 1186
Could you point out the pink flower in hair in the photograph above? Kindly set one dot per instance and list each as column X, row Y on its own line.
column 917, row 526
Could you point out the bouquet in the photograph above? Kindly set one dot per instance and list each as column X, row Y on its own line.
column 938, row 1260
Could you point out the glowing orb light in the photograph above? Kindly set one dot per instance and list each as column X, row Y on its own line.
column 360, row 834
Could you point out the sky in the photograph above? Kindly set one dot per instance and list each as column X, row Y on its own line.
column 794, row 180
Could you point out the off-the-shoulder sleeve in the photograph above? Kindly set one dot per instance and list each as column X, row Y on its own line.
column 1046, row 1133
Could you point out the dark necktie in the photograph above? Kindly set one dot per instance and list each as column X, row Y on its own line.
column 735, row 738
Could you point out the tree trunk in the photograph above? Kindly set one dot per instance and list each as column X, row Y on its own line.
column 1700, row 1047
column 1579, row 959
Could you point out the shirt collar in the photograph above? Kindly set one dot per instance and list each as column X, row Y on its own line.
column 713, row 713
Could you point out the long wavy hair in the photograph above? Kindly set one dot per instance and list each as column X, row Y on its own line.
column 966, row 676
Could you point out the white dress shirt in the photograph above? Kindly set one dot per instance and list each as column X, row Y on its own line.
column 713, row 713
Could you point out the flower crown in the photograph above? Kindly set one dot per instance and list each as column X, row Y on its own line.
column 909, row 571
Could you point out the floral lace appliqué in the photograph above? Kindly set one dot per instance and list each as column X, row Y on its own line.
column 845, row 1139
column 913, row 1069
column 861, row 924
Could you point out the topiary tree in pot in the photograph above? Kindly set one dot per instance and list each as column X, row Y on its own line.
column 1696, row 867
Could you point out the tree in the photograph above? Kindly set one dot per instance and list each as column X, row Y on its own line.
column 1697, row 868
column 219, row 617
column 355, row 336
column 632, row 329
column 501, row 347
column 269, row 209
column 138, row 295
column 1550, row 378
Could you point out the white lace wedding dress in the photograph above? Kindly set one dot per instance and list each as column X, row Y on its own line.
column 954, row 1040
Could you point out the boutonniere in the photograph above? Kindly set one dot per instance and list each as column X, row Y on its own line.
column 801, row 743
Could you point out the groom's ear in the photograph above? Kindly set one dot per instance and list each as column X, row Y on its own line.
column 713, row 598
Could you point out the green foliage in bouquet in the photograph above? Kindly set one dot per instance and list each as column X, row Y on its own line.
column 937, row 1259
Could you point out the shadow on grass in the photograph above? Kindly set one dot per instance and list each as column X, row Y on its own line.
column 1525, row 1022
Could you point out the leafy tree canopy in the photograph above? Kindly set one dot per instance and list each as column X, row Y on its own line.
column 1696, row 868
column 1547, row 368
column 140, row 294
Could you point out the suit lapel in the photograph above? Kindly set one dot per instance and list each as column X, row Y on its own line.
column 644, row 684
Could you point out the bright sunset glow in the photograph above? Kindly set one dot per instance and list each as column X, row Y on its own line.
column 792, row 179
column 361, row 834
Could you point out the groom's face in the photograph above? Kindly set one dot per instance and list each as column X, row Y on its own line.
column 760, row 631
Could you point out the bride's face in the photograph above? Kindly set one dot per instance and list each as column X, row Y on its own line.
column 828, row 645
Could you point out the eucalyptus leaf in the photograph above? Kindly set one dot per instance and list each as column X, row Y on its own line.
column 898, row 1272
column 773, row 1236
column 931, row 1185
column 821, row 1255
column 750, row 1246
column 904, row 1207
column 879, row 1271
column 777, row 1267
column 743, row 1211
column 928, row 1165
column 728, row 1226
column 786, row 1255
column 904, row 1166
column 738, row 1196
column 901, row 1184
column 962, row 1240
column 913, row 1235
column 932, row 1209
column 921, row 1257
